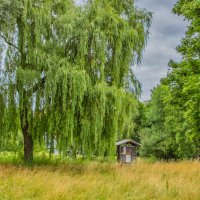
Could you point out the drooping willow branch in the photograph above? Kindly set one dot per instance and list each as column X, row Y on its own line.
column 8, row 42
column 72, row 82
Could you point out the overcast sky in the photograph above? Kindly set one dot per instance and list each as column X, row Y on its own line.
column 166, row 32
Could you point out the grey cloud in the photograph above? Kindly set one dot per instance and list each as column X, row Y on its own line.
column 154, row 4
column 165, row 34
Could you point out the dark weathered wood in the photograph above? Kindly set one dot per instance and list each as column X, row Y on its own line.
column 118, row 153
column 127, row 151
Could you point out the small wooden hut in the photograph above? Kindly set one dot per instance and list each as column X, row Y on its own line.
column 127, row 150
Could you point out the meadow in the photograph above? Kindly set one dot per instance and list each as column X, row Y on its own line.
column 101, row 180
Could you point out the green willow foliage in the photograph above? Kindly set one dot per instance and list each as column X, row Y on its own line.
column 68, row 73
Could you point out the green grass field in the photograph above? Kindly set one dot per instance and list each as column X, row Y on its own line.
column 95, row 181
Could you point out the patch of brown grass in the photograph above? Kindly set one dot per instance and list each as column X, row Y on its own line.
column 101, row 181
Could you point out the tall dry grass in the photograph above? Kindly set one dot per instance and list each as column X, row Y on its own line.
column 99, row 181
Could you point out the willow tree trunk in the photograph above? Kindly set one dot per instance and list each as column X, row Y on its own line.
column 28, row 144
column 27, row 137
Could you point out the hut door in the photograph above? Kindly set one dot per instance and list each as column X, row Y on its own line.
column 128, row 158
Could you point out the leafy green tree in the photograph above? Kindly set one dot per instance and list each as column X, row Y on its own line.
column 172, row 127
column 184, row 77
column 164, row 133
column 68, row 72
column 158, row 135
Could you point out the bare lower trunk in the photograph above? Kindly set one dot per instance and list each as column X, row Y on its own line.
column 28, row 144
column 28, row 139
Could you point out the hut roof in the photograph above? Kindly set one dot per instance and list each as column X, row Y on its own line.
column 129, row 141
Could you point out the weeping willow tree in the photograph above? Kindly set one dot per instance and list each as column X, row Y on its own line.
column 67, row 73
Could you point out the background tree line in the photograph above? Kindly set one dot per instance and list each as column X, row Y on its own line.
column 171, row 119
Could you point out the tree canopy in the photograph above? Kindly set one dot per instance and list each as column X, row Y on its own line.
column 173, row 113
column 67, row 80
